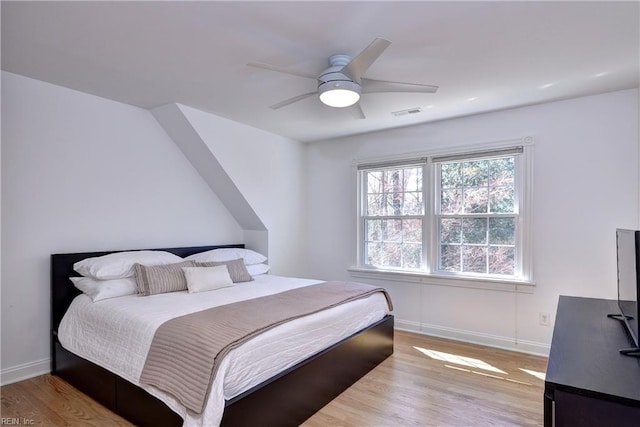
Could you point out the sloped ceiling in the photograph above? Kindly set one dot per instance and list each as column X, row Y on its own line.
column 484, row 56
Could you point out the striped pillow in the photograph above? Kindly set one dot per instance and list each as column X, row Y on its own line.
column 159, row 279
column 237, row 269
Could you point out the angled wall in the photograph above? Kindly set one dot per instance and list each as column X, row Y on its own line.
column 178, row 127
column 259, row 176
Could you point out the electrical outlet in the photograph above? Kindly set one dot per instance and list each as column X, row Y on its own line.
column 544, row 318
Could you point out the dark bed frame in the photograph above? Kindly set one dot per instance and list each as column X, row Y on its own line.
column 287, row 399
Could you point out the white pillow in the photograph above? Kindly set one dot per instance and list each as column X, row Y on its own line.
column 120, row 264
column 257, row 269
column 228, row 254
column 102, row 289
column 201, row 279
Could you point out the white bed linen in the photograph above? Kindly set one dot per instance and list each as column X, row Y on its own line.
column 117, row 333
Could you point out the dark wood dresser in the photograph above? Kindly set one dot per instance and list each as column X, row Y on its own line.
column 588, row 382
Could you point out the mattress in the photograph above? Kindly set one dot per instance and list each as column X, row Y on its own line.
column 117, row 333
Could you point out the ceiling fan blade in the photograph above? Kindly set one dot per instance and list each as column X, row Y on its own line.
column 357, row 112
column 378, row 86
column 361, row 63
column 292, row 100
column 281, row 70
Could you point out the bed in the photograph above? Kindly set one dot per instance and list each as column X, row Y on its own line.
column 287, row 398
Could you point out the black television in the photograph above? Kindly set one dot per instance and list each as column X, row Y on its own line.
column 628, row 271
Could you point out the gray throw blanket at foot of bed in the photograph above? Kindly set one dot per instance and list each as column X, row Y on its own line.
column 186, row 351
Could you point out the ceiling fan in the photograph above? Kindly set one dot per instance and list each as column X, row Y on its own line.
column 342, row 83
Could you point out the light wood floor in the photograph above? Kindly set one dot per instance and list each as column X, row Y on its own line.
column 427, row 382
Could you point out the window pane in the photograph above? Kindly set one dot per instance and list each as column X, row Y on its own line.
column 412, row 231
column 394, row 243
column 384, row 254
column 475, row 174
column 474, row 230
column 411, row 255
column 375, row 205
column 374, row 253
column 393, row 204
column 502, row 199
column 374, row 230
column 392, row 231
column 502, row 231
column 392, row 180
column 474, row 259
column 394, row 192
column 392, row 254
column 501, row 171
column 501, row 260
column 451, row 201
column 374, row 182
column 476, row 200
column 450, row 257
column 413, row 203
column 450, row 175
column 450, row 230
column 413, row 179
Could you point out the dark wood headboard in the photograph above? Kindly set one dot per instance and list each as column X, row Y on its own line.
column 62, row 290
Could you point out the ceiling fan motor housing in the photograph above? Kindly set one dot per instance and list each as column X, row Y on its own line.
column 333, row 79
column 338, row 83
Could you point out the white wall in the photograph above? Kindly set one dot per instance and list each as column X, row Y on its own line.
column 82, row 173
column 585, row 184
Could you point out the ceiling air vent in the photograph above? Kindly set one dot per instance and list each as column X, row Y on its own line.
column 415, row 110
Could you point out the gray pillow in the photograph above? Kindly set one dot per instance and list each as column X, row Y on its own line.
column 159, row 279
column 237, row 269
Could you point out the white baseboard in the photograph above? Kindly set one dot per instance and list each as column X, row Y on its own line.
column 506, row 343
column 25, row 371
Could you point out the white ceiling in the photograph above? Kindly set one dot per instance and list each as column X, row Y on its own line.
column 484, row 56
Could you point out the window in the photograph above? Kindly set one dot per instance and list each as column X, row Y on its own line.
column 459, row 215
column 476, row 216
column 394, row 217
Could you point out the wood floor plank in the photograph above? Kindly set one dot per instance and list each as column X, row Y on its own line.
column 47, row 400
column 436, row 382
column 428, row 381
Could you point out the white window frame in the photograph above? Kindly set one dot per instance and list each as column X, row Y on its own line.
column 428, row 272
column 363, row 218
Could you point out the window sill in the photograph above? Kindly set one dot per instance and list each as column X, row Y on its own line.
column 494, row 284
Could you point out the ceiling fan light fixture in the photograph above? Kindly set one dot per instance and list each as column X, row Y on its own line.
column 339, row 94
column 339, row 98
